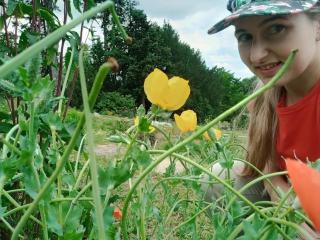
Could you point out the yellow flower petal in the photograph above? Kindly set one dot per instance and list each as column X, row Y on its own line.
column 206, row 136
column 187, row 121
column 154, row 86
column 136, row 121
column 176, row 94
column 217, row 133
column 151, row 129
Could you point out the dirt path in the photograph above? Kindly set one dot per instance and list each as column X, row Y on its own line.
column 112, row 149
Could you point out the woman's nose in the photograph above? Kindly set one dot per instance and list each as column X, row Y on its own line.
column 258, row 52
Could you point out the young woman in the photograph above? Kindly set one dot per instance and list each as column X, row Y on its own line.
column 285, row 121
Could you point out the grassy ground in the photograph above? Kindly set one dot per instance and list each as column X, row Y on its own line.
column 175, row 201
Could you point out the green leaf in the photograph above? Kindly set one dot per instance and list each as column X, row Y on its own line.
column 54, row 121
column 141, row 111
column 76, row 4
column 249, row 232
column 142, row 158
column 29, row 181
column 26, row 8
column 69, row 10
column 11, row 6
column 9, row 86
column 2, row 211
column 1, row 23
column 4, row 116
column 75, row 235
column 5, row 127
column 90, row 5
column 74, row 39
column 72, row 224
column 52, row 219
column 144, row 124
column 48, row 17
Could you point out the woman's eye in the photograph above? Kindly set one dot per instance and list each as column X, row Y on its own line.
column 276, row 29
column 244, row 38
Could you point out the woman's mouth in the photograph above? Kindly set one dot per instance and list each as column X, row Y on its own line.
column 269, row 70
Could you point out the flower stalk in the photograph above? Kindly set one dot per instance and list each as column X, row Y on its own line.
column 266, row 87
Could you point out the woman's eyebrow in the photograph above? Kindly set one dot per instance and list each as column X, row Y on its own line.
column 239, row 31
column 273, row 18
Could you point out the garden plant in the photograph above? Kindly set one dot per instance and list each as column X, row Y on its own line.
column 53, row 187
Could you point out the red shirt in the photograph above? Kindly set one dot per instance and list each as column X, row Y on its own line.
column 299, row 128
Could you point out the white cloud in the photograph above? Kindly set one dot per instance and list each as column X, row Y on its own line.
column 191, row 21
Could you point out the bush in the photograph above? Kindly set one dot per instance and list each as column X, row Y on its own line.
column 115, row 102
column 73, row 116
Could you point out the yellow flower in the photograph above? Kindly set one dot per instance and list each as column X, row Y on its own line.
column 136, row 123
column 167, row 94
column 217, row 133
column 187, row 121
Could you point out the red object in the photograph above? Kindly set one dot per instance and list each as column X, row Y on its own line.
column 306, row 184
column 117, row 214
column 298, row 133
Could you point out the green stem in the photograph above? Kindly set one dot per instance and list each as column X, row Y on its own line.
column 142, row 214
column 188, row 220
column 84, row 168
column 59, row 178
column 78, row 155
column 7, row 139
column 238, row 229
column 199, row 132
column 10, row 146
column 55, row 36
column 103, row 71
column 261, row 173
column 133, row 140
column 181, row 179
column 293, row 225
column 90, row 142
column 283, row 200
column 70, row 199
column 32, row 139
column 74, row 200
column 65, row 83
column 251, row 183
column 151, row 167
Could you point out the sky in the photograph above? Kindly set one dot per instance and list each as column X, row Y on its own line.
column 192, row 19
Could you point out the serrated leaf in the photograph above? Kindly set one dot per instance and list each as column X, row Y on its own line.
column 52, row 219
column 54, row 121
column 48, row 17
column 2, row 211
column 142, row 158
column 249, row 231
column 141, row 111
column 29, row 181
column 73, row 222
column 9, row 86
column 69, row 10
column 76, row 4
column 26, row 9
column 11, row 6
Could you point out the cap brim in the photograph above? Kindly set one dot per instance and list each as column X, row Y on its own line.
column 258, row 9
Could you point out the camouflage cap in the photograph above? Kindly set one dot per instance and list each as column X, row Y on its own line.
column 241, row 8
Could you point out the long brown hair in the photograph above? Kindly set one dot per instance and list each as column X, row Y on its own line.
column 263, row 124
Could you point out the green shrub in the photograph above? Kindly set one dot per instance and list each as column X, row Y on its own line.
column 73, row 115
column 115, row 102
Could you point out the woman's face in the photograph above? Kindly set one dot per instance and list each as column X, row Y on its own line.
column 265, row 42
